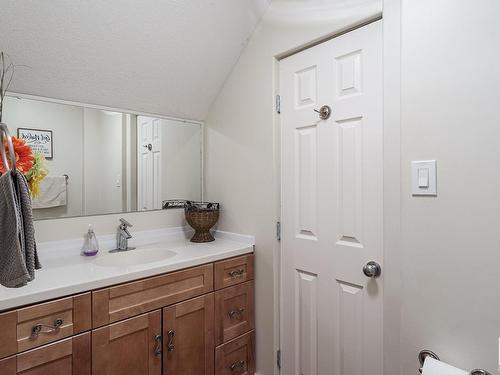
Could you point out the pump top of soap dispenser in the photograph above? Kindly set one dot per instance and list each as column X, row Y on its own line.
column 91, row 246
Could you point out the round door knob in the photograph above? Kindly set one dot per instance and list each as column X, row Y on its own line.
column 372, row 269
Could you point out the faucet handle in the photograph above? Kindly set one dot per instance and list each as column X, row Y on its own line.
column 125, row 223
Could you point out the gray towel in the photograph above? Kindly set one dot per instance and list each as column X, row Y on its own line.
column 25, row 207
column 18, row 257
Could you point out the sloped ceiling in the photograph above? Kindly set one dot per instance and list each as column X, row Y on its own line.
column 166, row 57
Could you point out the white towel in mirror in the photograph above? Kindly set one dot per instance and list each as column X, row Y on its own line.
column 53, row 193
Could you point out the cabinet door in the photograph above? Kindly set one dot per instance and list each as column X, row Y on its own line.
column 66, row 357
column 188, row 337
column 132, row 346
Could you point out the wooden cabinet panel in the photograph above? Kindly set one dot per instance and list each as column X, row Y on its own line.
column 40, row 324
column 188, row 337
column 132, row 347
column 66, row 357
column 127, row 300
column 236, row 356
column 233, row 271
column 234, row 312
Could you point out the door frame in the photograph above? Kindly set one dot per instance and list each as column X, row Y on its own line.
column 391, row 176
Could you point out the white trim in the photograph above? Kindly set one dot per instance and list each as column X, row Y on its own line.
column 277, row 216
column 392, row 185
column 97, row 106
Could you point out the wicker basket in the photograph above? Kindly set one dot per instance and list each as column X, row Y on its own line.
column 202, row 216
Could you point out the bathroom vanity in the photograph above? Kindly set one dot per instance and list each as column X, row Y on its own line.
column 191, row 312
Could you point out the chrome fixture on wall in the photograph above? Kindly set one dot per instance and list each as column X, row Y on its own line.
column 427, row 353
column 5, row 135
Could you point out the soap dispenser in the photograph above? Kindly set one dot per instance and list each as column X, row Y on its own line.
column 91, row 247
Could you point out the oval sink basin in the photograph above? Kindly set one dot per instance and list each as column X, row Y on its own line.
column 134, row 257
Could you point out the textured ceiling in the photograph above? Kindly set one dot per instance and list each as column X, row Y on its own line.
column 167, row 57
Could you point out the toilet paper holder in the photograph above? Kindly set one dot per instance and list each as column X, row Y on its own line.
column 428, row 353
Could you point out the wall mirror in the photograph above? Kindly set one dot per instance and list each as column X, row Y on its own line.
column 103, row 161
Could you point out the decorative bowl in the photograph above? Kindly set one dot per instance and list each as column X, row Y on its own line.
column 202, row 216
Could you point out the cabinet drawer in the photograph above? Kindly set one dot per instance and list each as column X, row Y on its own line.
column 134, row 298
column 236, row 357
column 233, row 271
column 40, row 324
column 234, row 312
column 69, row 357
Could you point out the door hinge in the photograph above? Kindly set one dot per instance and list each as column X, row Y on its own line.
column 278, row 230
column 278, row 359
column 278, row 104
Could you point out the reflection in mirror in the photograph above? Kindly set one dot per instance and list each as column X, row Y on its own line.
column 101, row 161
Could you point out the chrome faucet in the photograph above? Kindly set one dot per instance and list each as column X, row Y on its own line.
column 123, row 235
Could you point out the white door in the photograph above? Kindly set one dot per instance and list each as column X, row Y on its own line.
column 149, row 163
column 331, row 320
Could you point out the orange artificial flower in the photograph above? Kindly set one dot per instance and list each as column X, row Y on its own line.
column 24, row 156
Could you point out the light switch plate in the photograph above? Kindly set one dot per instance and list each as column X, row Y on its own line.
column 420, row 171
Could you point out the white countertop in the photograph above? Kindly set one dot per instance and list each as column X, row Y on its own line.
column 65, row 272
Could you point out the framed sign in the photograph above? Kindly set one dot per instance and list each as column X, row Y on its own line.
column 39, row 140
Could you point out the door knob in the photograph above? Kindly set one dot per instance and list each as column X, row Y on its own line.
column 372, row 269
column 324, row 112
column 149, row 146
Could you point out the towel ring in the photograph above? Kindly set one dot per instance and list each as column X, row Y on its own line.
column 4, row 132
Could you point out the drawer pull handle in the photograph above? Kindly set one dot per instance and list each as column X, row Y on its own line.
column 236, row 273
column 170, row 345
column 237, row 365
column 158, row 345
column 238, row 313
column 37, row 329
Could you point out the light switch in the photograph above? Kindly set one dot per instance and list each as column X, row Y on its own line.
column 423, row 177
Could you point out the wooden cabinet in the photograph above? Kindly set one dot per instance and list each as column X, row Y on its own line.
column 33, row 326
column 132, row 347
column 234, row 312
column 236, row 356
column 130, row 299
column 66, row 357
column 188, row 337
column 171, row 324
column 233, row 271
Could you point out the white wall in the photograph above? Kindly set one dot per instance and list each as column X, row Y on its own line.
column 240, row 167
column 181, row 160
column 450, row 247
column 66, row 123
column 103, row 156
